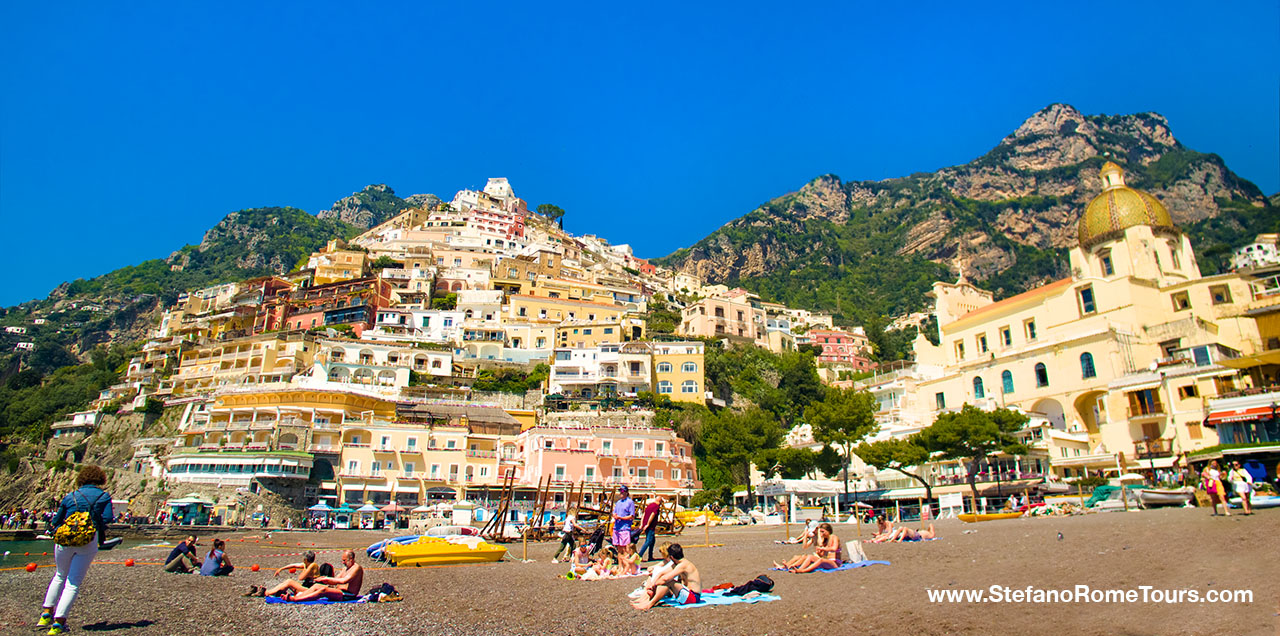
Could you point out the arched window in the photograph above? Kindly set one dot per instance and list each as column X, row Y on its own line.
column 1042, row 375
column 689, row 367
column 1086, row 366
column 664, row 386
column 664, row 367
column 1006, row 379
column 978, row 393
column 689, row 386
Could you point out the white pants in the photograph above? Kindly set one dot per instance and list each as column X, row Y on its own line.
column 73, row 564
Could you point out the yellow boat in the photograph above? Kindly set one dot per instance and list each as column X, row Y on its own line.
column 441, row 551
column 690, row 517
column 993, row 516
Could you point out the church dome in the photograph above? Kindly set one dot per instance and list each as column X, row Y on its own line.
column 1119, row 207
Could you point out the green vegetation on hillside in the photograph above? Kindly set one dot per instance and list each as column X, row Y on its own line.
column 281, row 236
column 32, row 399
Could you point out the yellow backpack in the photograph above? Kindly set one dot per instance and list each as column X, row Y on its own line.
column 76, row 530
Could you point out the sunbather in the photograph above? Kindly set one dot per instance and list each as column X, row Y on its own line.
column 683, row 582
column 581, row 559
column 308, row 571
column 907, row 534
column 826, row 554
column 884, row 531
column 344, row 587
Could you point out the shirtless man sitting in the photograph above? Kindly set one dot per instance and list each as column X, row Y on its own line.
column 343, row 587
column 682, row 582
column 306, row 578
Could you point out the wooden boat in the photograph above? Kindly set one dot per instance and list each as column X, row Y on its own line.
column 991, row 516
column 441, row 551
column 1166, row 497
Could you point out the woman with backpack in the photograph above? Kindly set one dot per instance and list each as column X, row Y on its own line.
column 81, row 525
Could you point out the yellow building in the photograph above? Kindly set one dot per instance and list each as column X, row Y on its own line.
column 585, row 334
column 1122, row 355
column 268, row 357
column 431, row 451
column 679, row 371
column 334, row 263
column 525, row 307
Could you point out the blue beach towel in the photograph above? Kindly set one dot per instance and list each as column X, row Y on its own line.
column 718, row 598
column 272, row 600
column 846, row 566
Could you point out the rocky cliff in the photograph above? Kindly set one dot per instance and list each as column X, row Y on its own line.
column 374, row 205
column 872, row 246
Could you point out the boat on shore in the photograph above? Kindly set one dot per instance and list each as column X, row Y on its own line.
column 1166, row 496
column 1258, row 501
column 443, row 551
column 990, row 516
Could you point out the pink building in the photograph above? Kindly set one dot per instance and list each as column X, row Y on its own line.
column 842, row 347
column 647, row 460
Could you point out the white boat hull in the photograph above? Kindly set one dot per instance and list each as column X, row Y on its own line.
column 1162, row 497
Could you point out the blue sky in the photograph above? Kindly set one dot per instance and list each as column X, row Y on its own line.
column 127, row 129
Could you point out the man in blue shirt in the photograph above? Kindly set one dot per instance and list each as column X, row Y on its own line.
column 623, row 512
column 185, row 549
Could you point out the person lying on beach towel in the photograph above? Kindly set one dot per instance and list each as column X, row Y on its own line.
column 884, row 531
column 345, row 586
column 907, row 534
column 682, row 583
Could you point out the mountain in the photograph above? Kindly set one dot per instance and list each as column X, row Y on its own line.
column 123, row 304
column 870, row 249
column 374, row 205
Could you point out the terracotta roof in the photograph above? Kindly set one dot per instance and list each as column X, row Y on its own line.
column 1036, row 293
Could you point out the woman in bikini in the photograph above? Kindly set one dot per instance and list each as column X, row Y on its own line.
column 826, row 554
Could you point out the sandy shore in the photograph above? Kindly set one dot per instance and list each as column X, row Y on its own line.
column 1167, row 549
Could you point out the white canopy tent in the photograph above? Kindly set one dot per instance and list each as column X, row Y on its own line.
column 802, row 488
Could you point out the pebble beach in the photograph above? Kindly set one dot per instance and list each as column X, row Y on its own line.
column 1167, row 549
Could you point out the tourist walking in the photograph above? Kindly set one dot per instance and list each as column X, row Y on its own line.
column 649, row 525
column 1242, row 481
column 80, row 526
column 1212, row 479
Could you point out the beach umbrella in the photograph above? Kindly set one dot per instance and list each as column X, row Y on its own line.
column 1132, row 477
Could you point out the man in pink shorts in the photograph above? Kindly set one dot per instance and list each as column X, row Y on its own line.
column 623, row 512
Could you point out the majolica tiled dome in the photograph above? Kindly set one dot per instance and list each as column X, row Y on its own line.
column 1119, row 207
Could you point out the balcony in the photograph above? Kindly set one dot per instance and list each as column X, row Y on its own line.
column 986, row 478
column 322, row 448
column 1148, row 412
column 482, row 454
column 355, row 445
column 1151, row 449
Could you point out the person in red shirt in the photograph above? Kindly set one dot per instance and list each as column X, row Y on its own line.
column 649, row 526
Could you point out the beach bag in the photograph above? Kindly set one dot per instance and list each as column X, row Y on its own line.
column 76, row 530
column 852, row 552
column 761, row 584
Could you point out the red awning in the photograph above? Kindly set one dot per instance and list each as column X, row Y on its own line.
column 1239, row 415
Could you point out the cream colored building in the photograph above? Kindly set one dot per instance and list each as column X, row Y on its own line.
column 1125, row 351
column 268, row 357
